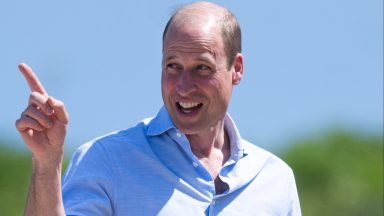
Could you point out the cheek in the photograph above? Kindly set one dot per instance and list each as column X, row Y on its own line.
column 222, row 83
column 167, row 86
column 220, row 89
column 164, row 85
column 225, row 90
column 164, row 81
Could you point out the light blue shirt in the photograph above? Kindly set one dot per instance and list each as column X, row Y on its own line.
column 149, row 169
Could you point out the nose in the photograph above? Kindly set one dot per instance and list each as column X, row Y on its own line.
column 185, row 84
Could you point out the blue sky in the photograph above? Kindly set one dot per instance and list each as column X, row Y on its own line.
column 309, row 65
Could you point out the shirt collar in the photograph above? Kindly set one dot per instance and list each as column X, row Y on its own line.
column 162, row 122
column 237, row 148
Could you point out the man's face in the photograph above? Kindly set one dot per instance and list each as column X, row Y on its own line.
column 196, row 83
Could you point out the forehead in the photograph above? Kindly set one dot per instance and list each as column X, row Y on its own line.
column 194, row 36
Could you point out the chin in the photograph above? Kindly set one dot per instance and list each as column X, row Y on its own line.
column 188, row 129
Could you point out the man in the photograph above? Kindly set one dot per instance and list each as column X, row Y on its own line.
column 187, row 160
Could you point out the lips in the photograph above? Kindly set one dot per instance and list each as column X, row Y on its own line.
column 188, row 107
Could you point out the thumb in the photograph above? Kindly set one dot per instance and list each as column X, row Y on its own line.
column 59, row 110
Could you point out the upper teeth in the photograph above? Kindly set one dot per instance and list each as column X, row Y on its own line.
column 188, row 105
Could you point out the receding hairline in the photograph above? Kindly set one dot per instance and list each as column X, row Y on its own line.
column 189, row 13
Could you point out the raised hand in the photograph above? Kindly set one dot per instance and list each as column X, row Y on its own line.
column 43, row 126
column 43, row 123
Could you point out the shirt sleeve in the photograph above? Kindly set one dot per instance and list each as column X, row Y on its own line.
column 87, row 183
column 294, row 203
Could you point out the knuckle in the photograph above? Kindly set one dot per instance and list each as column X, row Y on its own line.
column 20, row 124
column 58, row 102
column 36, row 97
column 27, row 111
column 61, row 104
column 66, row 121
column 31, row 97
column 17, row 123
column 35, row 94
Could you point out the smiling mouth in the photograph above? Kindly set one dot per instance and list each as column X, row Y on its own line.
column 188, row 107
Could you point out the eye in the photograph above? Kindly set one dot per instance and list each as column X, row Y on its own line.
column 202, row 67
column 203, row 70
column 172, row 65
column 172, row 68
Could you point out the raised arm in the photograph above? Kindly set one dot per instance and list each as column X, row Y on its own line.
column 43, row 126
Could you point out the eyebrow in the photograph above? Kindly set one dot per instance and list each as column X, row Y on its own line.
column 205, row 59
column 170, row 57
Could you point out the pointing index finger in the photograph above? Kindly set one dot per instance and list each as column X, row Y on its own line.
column 32, row 80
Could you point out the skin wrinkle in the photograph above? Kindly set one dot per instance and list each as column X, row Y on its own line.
column 194, row 46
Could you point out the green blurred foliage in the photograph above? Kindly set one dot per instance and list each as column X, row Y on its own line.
column 15, row 169
column 337, row 173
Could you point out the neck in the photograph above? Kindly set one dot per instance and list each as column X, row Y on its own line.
column 207, row 142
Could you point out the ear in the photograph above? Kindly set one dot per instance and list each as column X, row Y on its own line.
column 238, row 68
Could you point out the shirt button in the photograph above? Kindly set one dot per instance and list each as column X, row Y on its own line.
column 178, row 135
column 195, row 164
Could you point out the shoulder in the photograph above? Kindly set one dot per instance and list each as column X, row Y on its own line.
column 115, row 143
column 105, row 150
column 130, row 137
column 268, row 161
column 274, row 179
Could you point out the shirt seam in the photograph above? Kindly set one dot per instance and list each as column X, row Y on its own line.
column 113, row 175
